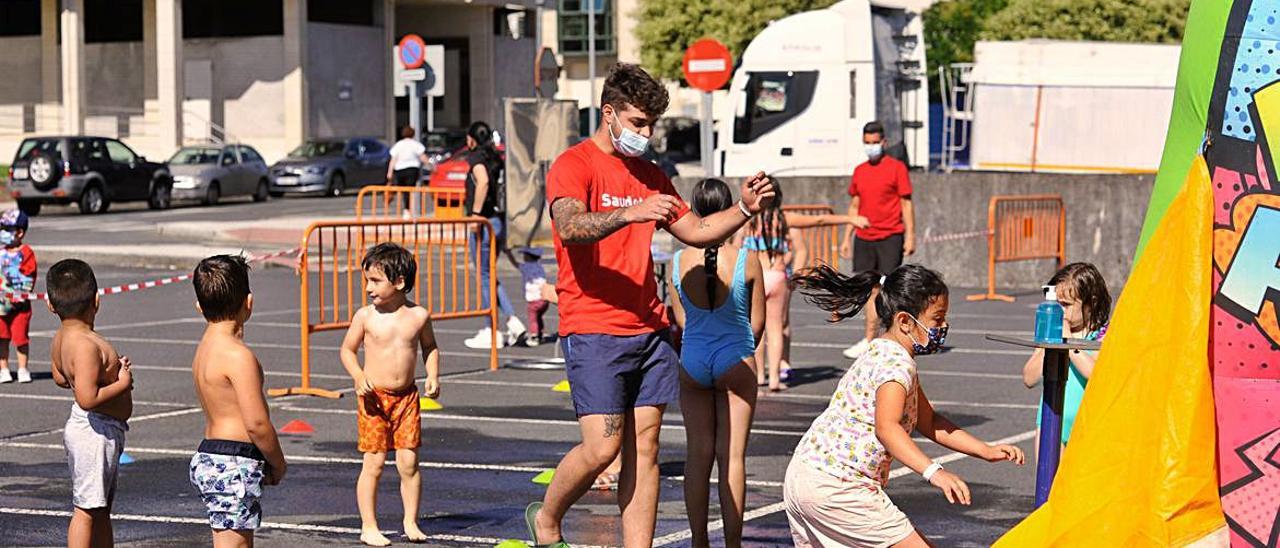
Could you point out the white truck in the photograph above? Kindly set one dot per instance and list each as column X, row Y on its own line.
column 808, row 83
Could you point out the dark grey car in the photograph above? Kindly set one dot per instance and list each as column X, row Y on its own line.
column 331, row 166
column 211, row 172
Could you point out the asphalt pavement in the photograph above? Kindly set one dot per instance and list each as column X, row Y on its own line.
column 496, row 431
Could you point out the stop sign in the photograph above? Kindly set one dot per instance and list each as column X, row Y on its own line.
column 707, row 64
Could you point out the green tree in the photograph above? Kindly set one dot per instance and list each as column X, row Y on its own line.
column 667, row 27
column 950, row 29
column 1102, row 20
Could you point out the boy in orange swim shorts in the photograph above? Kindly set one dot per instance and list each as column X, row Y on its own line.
column 392, row 330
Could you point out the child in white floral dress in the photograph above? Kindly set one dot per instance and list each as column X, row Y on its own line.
column 834, row 487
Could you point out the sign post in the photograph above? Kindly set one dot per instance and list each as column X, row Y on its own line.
column 413, row 54
column 433, row 84
column 707, row 66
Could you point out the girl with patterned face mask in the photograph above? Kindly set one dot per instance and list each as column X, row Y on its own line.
column 834, row 487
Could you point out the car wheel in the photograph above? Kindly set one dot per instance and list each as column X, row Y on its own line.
column 30, row 207
column 161, row 196
column 93, row 201
column 262, row 193
column 213, row 194
column 337, row 183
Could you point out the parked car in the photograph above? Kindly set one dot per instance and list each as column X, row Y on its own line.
column 210, row 172
column 330, row 166
column 441, row 144
column 91, row 172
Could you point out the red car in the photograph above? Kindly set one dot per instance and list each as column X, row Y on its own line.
column 452, row 174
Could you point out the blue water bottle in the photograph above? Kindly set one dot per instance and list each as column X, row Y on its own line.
column 1049, row 317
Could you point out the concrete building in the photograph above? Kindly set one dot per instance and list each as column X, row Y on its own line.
column 270, row 73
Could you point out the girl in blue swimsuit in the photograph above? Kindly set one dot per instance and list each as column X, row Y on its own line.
column 720, row 310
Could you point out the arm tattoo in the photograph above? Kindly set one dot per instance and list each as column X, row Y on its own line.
column 578, row 226
column 612, row 425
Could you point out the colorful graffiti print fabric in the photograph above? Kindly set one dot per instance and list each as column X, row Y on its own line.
column 842, row 440
column 18, row 268
column 231, row 487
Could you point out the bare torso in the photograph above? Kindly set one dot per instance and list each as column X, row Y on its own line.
column 391, row 343
column 223, row 417
column 65, row 343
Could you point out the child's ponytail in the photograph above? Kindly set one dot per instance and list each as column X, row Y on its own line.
column 834, row 292
column 909, row 288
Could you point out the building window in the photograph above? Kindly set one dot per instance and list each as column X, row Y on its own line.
column 341, row 12
column 573, row 26
column 112, row 21
column 20, row 18
column 231, row 18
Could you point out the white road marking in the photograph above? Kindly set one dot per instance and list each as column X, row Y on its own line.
column 516, row 420
column 69, row 399
column 306, row 527
column 939, row 403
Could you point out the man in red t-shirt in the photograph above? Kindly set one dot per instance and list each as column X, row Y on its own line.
column 606, row 202
column 879, row 190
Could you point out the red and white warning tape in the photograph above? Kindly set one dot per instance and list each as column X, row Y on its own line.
column 955, row 236
column 18, row 297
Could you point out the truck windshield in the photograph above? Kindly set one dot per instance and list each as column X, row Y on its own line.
column 771, row 99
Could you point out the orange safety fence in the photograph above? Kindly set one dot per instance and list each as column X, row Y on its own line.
column 1023, row 228
column 447, row 283
column 819, row 244
column 389, row 202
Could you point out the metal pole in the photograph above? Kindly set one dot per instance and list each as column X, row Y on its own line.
column 431, row 113
column 708, row 139
column 1055, row 384
column 591, row 63
column 415, row 107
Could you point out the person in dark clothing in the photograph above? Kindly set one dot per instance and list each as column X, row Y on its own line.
column 484, row 199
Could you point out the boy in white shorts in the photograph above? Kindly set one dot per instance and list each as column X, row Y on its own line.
column 87, row 364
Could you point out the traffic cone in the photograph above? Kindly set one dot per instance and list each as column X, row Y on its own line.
column 125, row 458
column 562, row 386
column 297, row 427
column 428, row 404
column 544, row 477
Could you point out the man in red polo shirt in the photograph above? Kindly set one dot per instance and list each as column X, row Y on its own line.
column 606, row 203
column 879, row 190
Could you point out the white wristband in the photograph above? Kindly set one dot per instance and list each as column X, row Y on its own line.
column 743, row 208
column 930, row 471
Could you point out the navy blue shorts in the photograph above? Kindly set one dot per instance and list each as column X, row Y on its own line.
column 609, row 374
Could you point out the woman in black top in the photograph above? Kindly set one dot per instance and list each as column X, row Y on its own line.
column 482, row 199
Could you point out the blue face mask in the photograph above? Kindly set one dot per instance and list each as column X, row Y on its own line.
column 937, row 338
column 7, row 237
column 628, row 142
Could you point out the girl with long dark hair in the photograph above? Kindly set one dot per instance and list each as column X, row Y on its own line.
column 834, row 486
column 719, row 307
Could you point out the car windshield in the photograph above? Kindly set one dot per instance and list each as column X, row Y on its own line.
column 318, row 148
column 443, row 140
column 195, row 155
column 43, row 147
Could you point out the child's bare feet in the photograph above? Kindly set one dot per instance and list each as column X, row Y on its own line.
column 413, row 533
column 373, row 537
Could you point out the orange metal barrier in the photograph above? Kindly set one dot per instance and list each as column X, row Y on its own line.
column 387, row 202
column 1023, row 228
column 332, row 281
column 821, row 243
